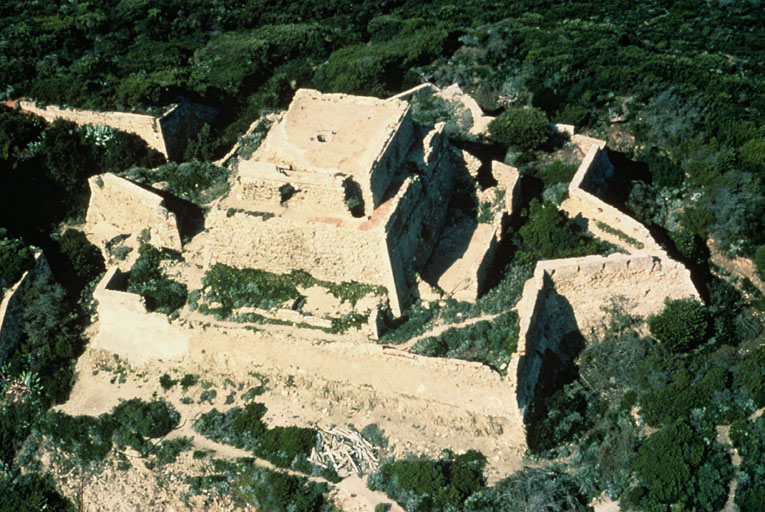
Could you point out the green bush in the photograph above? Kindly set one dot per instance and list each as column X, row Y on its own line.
column 423, row 485
column 557, row 172
column 682, row 325
column 167, row 382
column 160, row 293
column 759, row 261
column 750, row 495
column 148, row 419
column 526, row 127
column 16, row 257
column 85, row 258
column 751, row 372
column 679, row 467
column 198, row 182
column 32, row 492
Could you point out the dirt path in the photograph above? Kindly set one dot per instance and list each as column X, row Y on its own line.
column 739, row 267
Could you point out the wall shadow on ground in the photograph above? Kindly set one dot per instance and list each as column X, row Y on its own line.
column 553, row 343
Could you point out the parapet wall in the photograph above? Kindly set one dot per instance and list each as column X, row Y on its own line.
column 120, row 206
column 145, row 126
column 13, row 303
column 585, row 206
column 124, row 324
column 567, row 298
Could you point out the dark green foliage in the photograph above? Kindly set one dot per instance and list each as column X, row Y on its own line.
column 664, row 172
column 198, row 182
column 32, row 492
column 85, row 258
column 750, row 494
column 188, row 380
column 429, row 485
column 556, row 172
column 16, row 257
column 677, row 465
column 86, row 437
column 147, row 419
column 244, row 428
column 681, row 326
column 167, row 382
column 247, row 483
column 759, row 261
column 160, row 293
column 566, row 419
column 531, row 490
column 690, row 246
column 491, row 341
column 752, row 155
column 526, row 127
column 168, row 450
column 16, row 132
column 751, row 372
column 549, row 234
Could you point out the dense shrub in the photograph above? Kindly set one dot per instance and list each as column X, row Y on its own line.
column 85, row 258
column 198, row 182
column 423, row 485
column 32, row 492
column 750, row 494
column 557, row 172
column 244, row 428
column 759, row 261
column 678, row 466
column 526, row 127
column 751, row 372
column 681, row 326
column 160, row 293
column 16, row 257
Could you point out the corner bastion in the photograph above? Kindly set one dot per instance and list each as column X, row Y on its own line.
column 124, row 324
column 566, row 299
column 119, row 206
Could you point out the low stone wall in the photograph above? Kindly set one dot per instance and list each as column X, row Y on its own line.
column 12, row 306
column 567, row 297
column 145, row 126
column 124, row 324
column 118, row 206
column 586, row 208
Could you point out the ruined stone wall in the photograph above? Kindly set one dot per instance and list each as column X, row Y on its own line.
column 12, row 306
column 120, row 206
column 145, row 126
column 584, row 205
column 127, row 329
column 567, row 297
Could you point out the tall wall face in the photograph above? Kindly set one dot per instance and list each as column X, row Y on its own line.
column 12, row 306
column 565, row 299
column 124, row 207
column 388, row 164
column 145, row 126
column 180, row 124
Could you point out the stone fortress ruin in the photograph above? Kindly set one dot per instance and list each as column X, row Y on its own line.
column 350, row 188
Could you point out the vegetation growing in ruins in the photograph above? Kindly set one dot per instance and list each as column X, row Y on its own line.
column 682, row 325
column 147, row 279
column 748, row 437
column 248, row 484
column 620, row 234
column 195, row 181
column 527, row 127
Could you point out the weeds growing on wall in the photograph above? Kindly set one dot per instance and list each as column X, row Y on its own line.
column 198, row 182
column 146, row 278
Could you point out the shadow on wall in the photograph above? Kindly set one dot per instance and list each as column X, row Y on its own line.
column 190, row 217
column 552, row 346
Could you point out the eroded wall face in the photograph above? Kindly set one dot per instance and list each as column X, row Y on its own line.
column 307, row 197
column 124, row 207
column 280, row 245
column 145, row 126
column 389, row 163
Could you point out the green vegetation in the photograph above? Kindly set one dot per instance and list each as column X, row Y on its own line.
column 248, row 484
column 198, row 182
column 423, row 485
column 620, row 234
column 682, row 325
column 557, row 172
column 759, row 261
column 749, row 438
column 491, row 342
column 146, row 278
column 526, row 127
column 15, row 259
column 244, row 428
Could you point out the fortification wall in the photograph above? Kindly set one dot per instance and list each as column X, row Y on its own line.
column 180, row 124
column 567, row 297
column 145, row 126
column 120, row 206
column 586, row 207
column 127, row 329
column 12, row 306
column 387, row 164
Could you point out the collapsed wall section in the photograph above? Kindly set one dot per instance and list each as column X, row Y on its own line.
column 118, row 206
column 600, row 217
column 13, row 302
column 565, row 299
column 127, row 329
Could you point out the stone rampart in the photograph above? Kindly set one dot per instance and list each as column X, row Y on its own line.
column 127, row 329
column 585, row 207
column 566, row 298
column 145, row 126
column 119, row 206
column 12, row 306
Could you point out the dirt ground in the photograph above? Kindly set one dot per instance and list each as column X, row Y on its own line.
column 423, row 406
